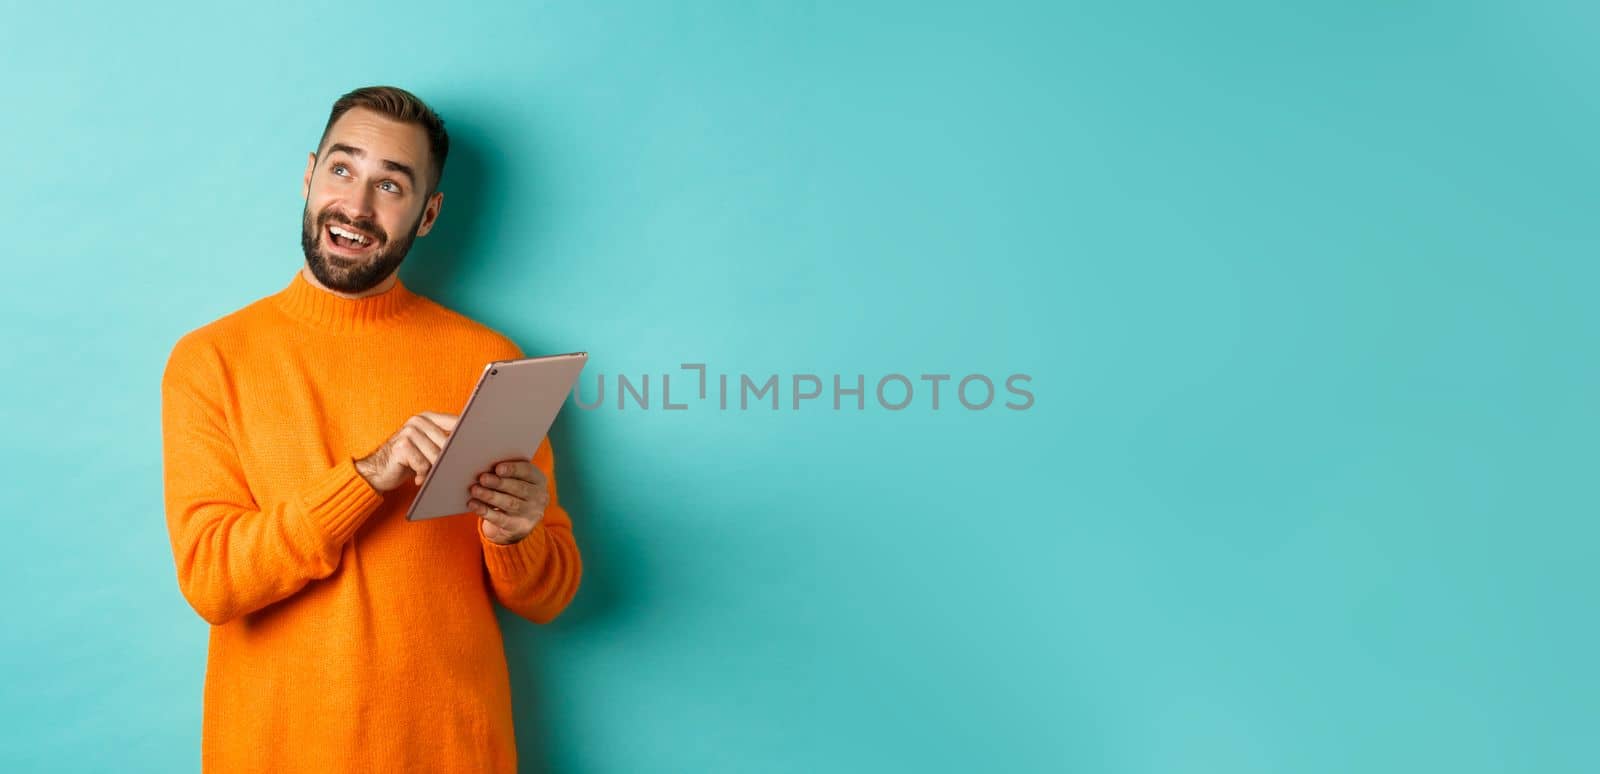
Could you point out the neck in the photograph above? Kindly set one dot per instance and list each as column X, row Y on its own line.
column 381, row 287
column 310, row 302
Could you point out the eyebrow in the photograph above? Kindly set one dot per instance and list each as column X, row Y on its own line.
column 388, row 164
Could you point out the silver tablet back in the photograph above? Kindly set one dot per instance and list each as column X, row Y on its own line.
column 506, row 418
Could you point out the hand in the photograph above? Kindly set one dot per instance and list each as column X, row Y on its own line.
column 511, row 498
column 410, row 452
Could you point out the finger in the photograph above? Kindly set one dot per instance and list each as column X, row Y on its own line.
column 499, row 500
column 515, row 487
column 444, row 421
column 522, row 469
column 498, row 518
column 493, row 532
column 420, row 440
column 533, row 504
column 426, row 428
column 407, row 454
column 500, row 534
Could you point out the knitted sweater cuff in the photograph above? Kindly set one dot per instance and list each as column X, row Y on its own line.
column 339, row 501
column 517, row 560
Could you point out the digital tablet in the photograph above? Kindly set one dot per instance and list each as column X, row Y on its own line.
column 506, row 418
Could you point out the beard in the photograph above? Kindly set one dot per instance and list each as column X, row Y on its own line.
column 353, row 275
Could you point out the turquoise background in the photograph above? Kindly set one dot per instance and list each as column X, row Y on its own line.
column 1306, row 293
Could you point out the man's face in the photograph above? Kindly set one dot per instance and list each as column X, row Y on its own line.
column 370, row 179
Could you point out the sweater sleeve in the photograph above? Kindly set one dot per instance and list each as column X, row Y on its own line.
column 537, row 576
column 233, row 555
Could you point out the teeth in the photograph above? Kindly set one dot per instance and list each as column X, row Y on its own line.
column 348, row 234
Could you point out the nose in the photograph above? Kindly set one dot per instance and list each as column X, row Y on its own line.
column 357, row 206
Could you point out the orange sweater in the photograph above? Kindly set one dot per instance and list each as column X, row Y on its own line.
column 343, row 638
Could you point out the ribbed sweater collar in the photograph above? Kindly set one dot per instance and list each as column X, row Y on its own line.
column 322, row 309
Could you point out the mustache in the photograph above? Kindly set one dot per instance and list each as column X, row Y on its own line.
column 364, row 226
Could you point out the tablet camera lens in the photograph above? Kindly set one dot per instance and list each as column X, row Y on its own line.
column 493, row 371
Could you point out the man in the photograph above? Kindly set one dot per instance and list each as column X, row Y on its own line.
column 296, row 431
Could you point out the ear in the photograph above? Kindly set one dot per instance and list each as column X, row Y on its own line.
column 430, row 213
column 305, row 185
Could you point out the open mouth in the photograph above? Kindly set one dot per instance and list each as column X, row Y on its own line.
column 348, row 240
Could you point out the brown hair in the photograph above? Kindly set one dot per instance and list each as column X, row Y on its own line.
column 403, row 106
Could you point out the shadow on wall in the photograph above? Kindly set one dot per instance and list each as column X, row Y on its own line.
column 476, row 194
column 482, row 186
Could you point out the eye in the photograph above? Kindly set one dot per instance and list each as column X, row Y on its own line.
column 392, row 186
column 337, row 167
